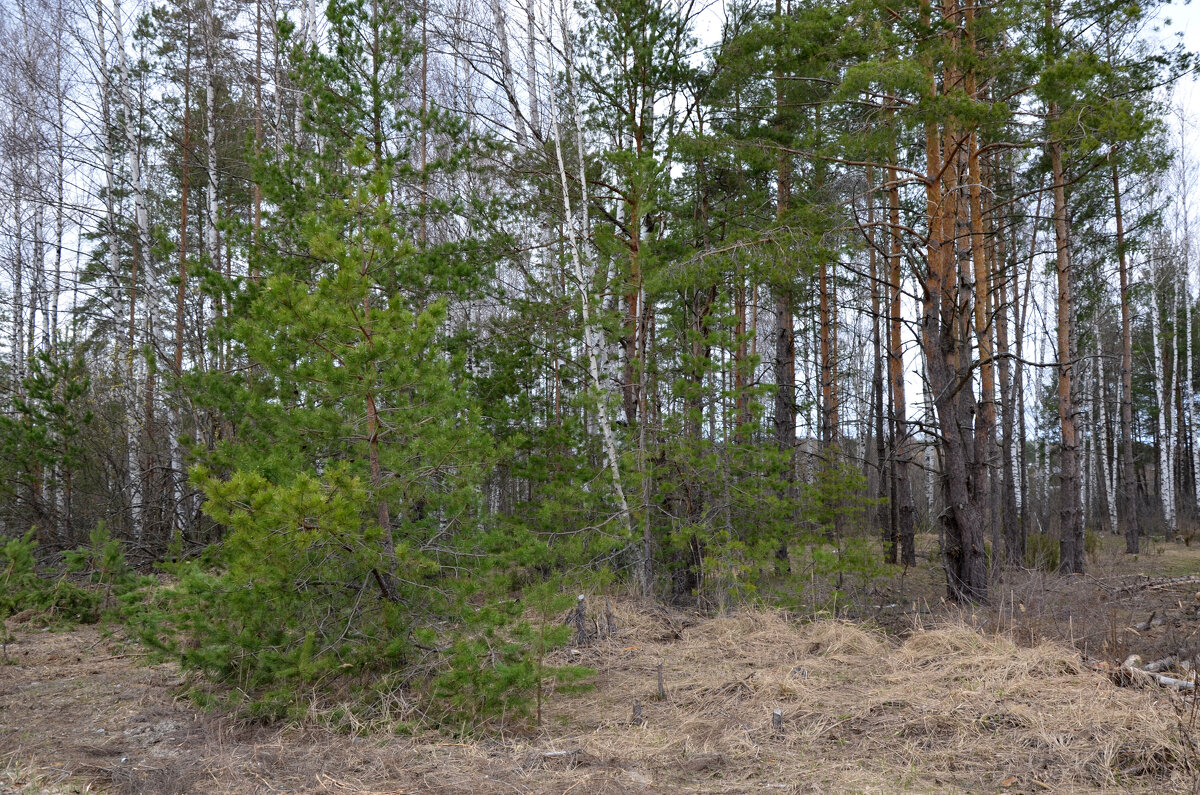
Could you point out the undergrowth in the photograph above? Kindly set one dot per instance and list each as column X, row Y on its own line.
column 271, row 653
column 49, row 601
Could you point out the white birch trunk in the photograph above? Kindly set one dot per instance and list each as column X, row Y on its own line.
column 506, row 72
column 110, row 170
column 1187, row 423
column 1189, row 396
column 1087, row 489
column 60, row 208
column 1018, row 399
column 212, row 238
column 1174, row 419
column 37, row 290
column 18, row 349
column 141, row 218
column 577, row 226
column 1116, row 450
column 535, row 122
column 1160, row 391
column 1105, row 460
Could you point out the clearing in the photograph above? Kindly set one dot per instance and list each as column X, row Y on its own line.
column 939, row 707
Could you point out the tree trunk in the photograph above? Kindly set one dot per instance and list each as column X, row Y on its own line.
column 141, row 248
column 535, row 122
column 785, row 342
column 1187, row 418
column 506, row 72
column 983, row 478
column 258, row 126
column 577, row 226
column 1071, row 552
column 18, row 346
column 1165, row 486
column 1175, row 416
column 943, row 327
column 1128, row 473
column 905, row 512
column 887, row 530
column 178, row 476
column 1101, row 420
column 1014, row 548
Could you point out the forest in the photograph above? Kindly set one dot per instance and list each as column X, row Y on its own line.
column 380, row 329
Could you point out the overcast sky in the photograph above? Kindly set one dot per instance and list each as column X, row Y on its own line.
column 1185, row 19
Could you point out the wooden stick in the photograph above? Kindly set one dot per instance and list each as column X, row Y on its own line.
column 581, row 633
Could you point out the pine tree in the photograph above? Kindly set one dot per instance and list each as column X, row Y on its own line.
column 352, row 478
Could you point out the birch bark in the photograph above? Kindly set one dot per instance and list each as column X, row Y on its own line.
column 576, row 225
column 1165, row 486
column 141, row 248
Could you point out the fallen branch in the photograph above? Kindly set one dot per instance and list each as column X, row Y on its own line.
column 560, row 754
column 1132, row 673
column 1159, row 584
column 1165, row 664
column 1172, row 682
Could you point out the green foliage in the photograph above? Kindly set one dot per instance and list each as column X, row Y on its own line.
column 1041, row 552
column 102, row 560
column 43, row 431
column 1091, row 544
column 487, row 676
column 350, row 489
column 837, row 543
column 52, row 601
column 498, row 669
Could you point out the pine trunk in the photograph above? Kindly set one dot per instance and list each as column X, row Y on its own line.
column 905, row 511
column 1071, row 551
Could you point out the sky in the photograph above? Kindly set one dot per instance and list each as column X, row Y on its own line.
column 1185, row 19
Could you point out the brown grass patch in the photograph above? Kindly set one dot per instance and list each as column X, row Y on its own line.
column 947, row 709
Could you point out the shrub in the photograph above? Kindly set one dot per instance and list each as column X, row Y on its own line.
column 51, row 600
column 1041, row 552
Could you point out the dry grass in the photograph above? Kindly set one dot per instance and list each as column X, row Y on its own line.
column 947, row 709
column 19, row 777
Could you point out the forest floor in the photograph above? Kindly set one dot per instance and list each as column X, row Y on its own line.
column 910, row 696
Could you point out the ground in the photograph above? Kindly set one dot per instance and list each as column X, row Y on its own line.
column 1011, row 698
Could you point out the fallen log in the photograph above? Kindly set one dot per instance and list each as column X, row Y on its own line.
column 1132, row 673
column 1165, row 664
column 1172, row 682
